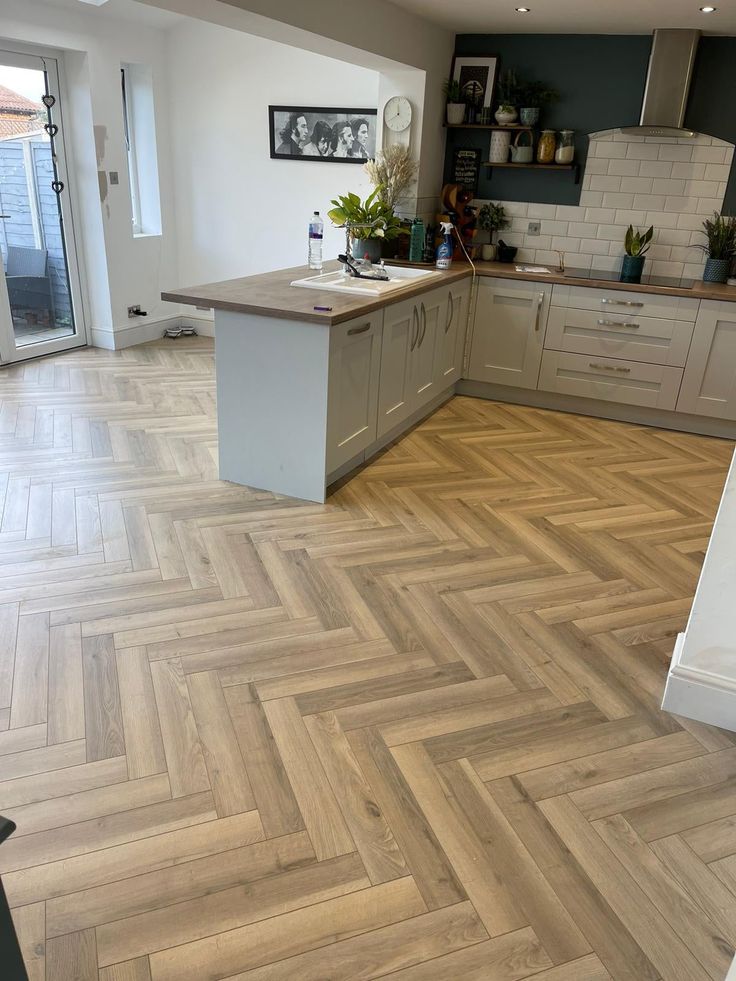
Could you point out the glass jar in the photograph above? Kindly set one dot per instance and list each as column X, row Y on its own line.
column 565, row 152
column 546, row 147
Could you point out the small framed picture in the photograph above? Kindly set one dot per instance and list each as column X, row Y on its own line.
column 477, row 78
column 327, row 135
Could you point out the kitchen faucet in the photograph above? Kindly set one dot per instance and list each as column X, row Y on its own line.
column 360, row 268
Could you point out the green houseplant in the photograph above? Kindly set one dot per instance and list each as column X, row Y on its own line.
column 636, row 246
column 508, row 94
column 369, row 222
column 455, row 104
column 532, row 96
column 491, row 218
column 720, row 247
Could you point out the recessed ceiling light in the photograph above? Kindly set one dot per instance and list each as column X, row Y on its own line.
column 523, row 10
column 708, row 10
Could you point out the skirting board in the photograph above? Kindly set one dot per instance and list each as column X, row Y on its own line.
column 140, row 332
column 660, row 418
column 699, row 695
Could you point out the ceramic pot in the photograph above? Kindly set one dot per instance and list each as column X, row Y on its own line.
column 631, row 268
column 505, row 115
column 506, row 253
column 529, row 116
column 499, row 149
column 522, row 152
column 716, row 270
column 370, row 247
column 455, row 113
column 488, row 252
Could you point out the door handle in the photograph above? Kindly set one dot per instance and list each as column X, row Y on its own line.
column 608, row 367
column 359, row 330
column 616, row 323
column 540, row 301
column 450, row 311
column 414, row 328
column 622, row 303
column 424, row 325
column 6, row 216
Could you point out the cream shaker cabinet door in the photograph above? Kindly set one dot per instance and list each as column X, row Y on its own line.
column 400, row 335
column 450, row 344
column 431, row 313
column 709, row 383
column 508, row 335
column 352, row 399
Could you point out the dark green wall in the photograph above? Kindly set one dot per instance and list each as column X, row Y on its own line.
column 600, row 79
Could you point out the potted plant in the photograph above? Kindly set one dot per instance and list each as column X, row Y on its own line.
column 636, row 245
column 508, row 90
column 369, row 222
column 532, row 96
column 491, row 218
column 720, row 247
column 455, row 104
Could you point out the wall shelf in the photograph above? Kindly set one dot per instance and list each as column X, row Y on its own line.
column 574, row 167
column 509, row 129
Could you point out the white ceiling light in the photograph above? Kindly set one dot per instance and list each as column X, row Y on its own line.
column 94, row 3
column 708, row 10
column 523, row 10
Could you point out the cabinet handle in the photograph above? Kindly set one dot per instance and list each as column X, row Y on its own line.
column 424, row 326
column 414, row 328
column 450, row 311
column 622, row 303
column 359, row 330
column 540, row 301
column 615, row 323
column 608, row 367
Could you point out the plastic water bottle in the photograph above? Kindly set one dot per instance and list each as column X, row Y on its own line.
column 316, row 230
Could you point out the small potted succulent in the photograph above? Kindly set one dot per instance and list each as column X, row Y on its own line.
column 720, row 247
column 508, row 91
column 455, row 104
column 636, row 245
column 532, row 96
column 491, row 218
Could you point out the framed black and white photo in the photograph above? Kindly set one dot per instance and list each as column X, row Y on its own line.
column 332, row 135
column 477, row 78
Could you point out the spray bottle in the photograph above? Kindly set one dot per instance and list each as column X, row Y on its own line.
column 444, row 249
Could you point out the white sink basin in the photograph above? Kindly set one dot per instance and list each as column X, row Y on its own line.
column 399, row 278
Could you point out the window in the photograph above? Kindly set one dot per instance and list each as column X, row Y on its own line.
column 139, row 125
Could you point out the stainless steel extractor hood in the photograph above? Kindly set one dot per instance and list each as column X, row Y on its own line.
column 667, row 87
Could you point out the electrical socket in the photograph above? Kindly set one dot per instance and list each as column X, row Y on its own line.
column 135, row 311
column 534, row 227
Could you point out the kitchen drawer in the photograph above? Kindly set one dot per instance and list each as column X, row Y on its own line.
column 611, row 379
column 626, row 302
column 615, row 335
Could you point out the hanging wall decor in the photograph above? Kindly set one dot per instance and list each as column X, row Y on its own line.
column 51, row 128
column 48, row 100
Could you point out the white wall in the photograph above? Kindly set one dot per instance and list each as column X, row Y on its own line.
column 239, row 212
column 94, row 46
column 670, row 183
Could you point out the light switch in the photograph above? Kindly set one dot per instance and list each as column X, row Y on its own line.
column 114, row 178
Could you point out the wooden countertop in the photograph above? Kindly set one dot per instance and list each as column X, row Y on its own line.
column 271, row 295
column 699, row 291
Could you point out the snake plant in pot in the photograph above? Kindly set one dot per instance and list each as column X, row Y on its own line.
column 636, row 245
column 720, row 247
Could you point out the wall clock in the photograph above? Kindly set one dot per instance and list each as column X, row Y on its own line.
column 397, row 114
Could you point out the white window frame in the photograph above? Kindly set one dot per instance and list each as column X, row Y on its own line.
column 129, row 134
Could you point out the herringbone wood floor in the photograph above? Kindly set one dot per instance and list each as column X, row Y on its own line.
column 412, row 733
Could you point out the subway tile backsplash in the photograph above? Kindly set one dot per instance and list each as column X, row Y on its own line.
column 672, row 184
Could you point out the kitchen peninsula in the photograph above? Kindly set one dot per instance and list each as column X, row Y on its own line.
column 310, row 383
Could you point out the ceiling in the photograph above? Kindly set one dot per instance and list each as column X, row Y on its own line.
column 126, row 10
column 574, row 16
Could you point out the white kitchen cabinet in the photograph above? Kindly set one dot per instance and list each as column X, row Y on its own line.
column 612, row 380
column 352, row 399
column 450, row 345
column 709, row 383
column 431, row 311
column 395, row 395
column 508, row 335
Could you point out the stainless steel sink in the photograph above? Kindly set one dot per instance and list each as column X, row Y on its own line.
column 337, row 282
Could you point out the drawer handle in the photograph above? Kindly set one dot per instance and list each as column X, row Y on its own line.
column 540, row 301
column 450, row 311
column 615, row 323
column 414, row 328
column 623, row 303
column 359, row 330
column 608, row 367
